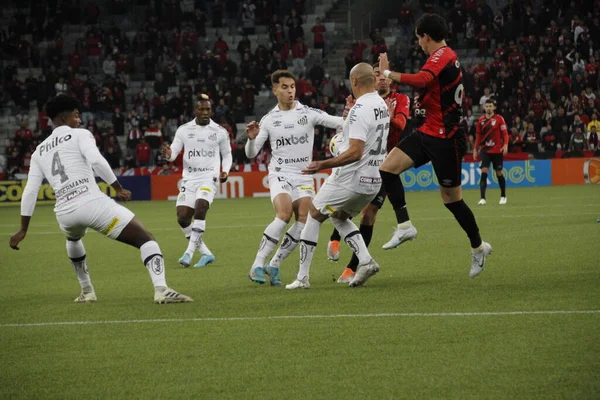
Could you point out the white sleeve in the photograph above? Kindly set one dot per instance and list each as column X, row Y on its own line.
column 322, row 118
column 87, row 146
column 358, row 123
column 176, row 146
column 225, row 149
column 253, row 146
column 30, row 193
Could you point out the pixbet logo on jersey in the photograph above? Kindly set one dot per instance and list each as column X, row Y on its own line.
column 53, row 143
column 291, row 140
column 201, row 153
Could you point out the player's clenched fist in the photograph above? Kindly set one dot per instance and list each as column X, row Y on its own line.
column 165, row 150
column 223, row 177
column 124, row 195
column 349, row 104
column 252, row 130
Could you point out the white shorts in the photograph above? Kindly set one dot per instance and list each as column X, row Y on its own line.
column 332, row 198
column 103, row 215
column 296, row 186
column 190, row 191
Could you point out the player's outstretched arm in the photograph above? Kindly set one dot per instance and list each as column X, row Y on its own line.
column 170, row 152
column 257, row 136
column 34, row 181
column 226, row 157
column 420, row 79
column 322, row 118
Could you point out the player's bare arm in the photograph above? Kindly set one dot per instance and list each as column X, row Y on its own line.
column 252, row 130
column 165, row 150
column 354, row 153
column 350, row 101
column 122, row 193
column 19, row 236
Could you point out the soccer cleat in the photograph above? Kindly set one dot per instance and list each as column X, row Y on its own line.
column 299, row 284
column 482, row 202
column 205, row 260
column 257, row 275
column 346, row 276
column 185, row 260
column 171, row 296
column 273, row 273
column 502, row 200
column 400, row 236
column 364, row 273
column 86, row 298
column 478, row 259
column 333, row 250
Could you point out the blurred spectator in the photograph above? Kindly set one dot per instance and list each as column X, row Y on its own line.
column 143, row 152
column 578, row 141
column 318, row 31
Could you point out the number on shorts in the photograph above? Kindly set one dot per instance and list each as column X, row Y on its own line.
column 380, row 148
column 58, row 168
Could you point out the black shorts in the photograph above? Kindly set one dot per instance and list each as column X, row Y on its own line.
column 496, row 159
column 380, row 198
column 445, row 154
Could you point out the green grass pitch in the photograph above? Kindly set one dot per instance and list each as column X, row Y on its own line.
column 420, row 329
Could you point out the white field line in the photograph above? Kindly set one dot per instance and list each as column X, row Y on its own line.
column 546, row 215
column 292, row 317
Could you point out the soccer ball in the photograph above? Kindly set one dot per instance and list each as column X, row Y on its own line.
column 337, row 144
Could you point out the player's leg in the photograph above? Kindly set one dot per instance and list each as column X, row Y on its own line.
column 75, row 229
column 485, row 165
column 308, row 243
column 446, row 157
column 291, row 238
column 499, row 168
column 282, row 203
column 198, row 228
column 185, row 215
column 408, row 153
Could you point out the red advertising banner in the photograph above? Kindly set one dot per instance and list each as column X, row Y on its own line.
column 575, row 171
column 239, row 184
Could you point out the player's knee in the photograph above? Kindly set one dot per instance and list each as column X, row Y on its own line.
column 369, row 216
column 284, row 214
column 184, row 221
column 484, row 170
column 499, row 172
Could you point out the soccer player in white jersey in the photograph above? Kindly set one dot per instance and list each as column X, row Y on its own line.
column 354, row 182
column 67, row 159
column 289, row 127
column 204, row 143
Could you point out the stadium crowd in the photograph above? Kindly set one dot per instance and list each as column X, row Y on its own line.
column 539, row 63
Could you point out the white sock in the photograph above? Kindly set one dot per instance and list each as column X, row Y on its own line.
column 405, row 225
column 308, row 242
column 76, row 253
column 203, row 249
column 289, row 243
column 351, row 235
column 154, row 262
column 198, row 228
column 268, row 242
column 187, row 231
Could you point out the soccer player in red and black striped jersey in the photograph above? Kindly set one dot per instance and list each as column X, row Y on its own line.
column 399, row 105
column 491, row 142
column 440, row 139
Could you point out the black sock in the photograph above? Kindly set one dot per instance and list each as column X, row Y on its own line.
column 335, row 236
column 395, row 193
column 483, row 184
column 466, row 219
column 367, row 233
column 502, row 183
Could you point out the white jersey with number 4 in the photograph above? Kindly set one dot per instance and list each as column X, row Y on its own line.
column 368, row 121
column 203, row 147
column 291, row 135
column 65, row 159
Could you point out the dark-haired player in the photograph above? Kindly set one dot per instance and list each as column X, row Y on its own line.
column 440, row 139
column 289, row 128
column 399, row 105
column 204, row 143
column 68, row 159
column 491, row 143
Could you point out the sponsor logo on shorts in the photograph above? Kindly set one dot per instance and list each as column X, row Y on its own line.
column 446, row 182
column 329, row 208
column 181, row 197
column 307, row 188
column 65, row 198
column 205, row 189
column 369, row 180
column 111, row 226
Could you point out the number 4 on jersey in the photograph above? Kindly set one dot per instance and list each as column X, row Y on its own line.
column 58, row 168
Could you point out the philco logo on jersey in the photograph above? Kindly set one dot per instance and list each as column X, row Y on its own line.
column 303, row 121
column 291, row 140
column 201, row 153
column 53, row 143
column 381, row 113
